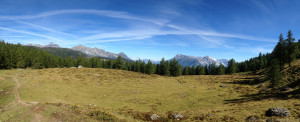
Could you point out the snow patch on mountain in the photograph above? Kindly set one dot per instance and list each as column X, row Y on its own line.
column 185, row 60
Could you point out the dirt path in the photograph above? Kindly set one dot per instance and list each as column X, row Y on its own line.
column 37, row 117
column 17, row 97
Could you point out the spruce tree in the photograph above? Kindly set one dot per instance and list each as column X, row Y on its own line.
column 162, row 67
column 198, row 68
column 202, row 70
column 231, row 66
column 274, row 74
column 175, row 68
column 291, row 47
column 185, row 71
column 220, row 70
column 149, row 68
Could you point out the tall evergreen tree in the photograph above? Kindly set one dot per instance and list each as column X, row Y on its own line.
column 220, row 70
column 202, row 70
column 143, row 67
column 185, row 71
column 175, row 68
column 275, row 75
column 149, row 68
column 280, row 51
column 198, row 68
column 231, row 66
column 291, row 47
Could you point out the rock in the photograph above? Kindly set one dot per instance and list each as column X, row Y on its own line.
column 79, row 66
column 252, row 119
column 285, row 88
column 278, row 111
column 178, row 116
column 154, row 117
column 223, row 85
column 261, row 85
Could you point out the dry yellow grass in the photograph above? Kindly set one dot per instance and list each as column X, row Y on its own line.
column 129, row 95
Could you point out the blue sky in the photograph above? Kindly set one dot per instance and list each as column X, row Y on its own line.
column 152, row 29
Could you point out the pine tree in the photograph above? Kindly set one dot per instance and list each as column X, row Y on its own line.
column 167, row 68
column 202, row 70
column 220, row 70
column 231, row 66
column 175, row 68
column 149, row 68
column 206, row 69
column 157, row 69
column 185, row 71
column 275, row 75
column 198, row 68
column 143, row 67
column 291, row 47
column 119, row 64
column 213, row 69
column 164, row 68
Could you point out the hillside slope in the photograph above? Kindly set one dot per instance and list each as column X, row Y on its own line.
column 77, row 94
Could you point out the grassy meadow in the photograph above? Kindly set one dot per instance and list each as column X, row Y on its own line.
column 90, row 94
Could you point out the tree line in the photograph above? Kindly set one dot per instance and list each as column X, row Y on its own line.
column 18, row 56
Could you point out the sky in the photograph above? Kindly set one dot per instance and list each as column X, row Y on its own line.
column 153, row 29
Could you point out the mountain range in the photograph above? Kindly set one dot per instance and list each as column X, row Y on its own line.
column 96, row 52
column 184, row 60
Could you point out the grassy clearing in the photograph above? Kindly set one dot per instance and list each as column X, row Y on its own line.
column 66, row 94
column 6, row 87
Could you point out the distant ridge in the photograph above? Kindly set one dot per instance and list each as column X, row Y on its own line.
column 186, row 60
column 96, row 52
column 84, row 51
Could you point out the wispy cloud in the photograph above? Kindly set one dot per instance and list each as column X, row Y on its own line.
column 114, row 14
column 29, row 33
column 202, row 33
column 46, row 29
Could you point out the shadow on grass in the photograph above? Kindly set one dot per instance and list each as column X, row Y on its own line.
column 249, row 81
column 292, row 94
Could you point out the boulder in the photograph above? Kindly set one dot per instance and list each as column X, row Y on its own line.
column 154, row 117
column 252, row 119
column 178, row 116
column 261, row 85
column 278, row 111
column 79, row 66
column 223, row 85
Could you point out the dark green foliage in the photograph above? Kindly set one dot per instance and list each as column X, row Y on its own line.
column 232, row 68
column 198, row 70
column 274, row 74
column 185, row 71
column 192, row 70
column 175, row 68
column 291, row 47
column 220, row 70
column 143, row 67
column 164, row 67
column 212, row 69
column 149, row 68
column 119, row 63
column 280, row 51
